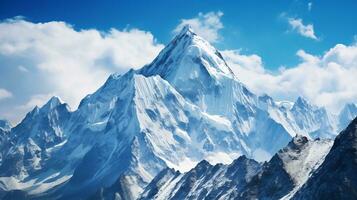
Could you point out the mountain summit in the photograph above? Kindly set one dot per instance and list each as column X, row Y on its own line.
column 187, row 53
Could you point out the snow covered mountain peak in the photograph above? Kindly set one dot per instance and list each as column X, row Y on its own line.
column 298, row 141
column 186, row 30
column 205, row 181
column 187, row 56
column 303, row 152
column 52, row 103
column 302, row 103
column 199, row 73
column 50, row 108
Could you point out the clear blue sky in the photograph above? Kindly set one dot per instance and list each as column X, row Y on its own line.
column 253, row 26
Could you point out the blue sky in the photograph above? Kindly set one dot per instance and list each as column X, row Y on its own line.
column 280, row 47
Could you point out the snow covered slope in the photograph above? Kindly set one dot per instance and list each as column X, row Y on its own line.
column 314, row 120
column 205, row 181
column 284, row 174
column 149, row 127
column 184, row 107
column 29, row 146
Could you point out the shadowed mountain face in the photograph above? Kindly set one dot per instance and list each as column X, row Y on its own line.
column 279, row 178
column 336, row 178
column 205, row 181
column 288, row 170
column 184, row 107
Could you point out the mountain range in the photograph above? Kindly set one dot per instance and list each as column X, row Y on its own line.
column 304, row 169
column 181, row 127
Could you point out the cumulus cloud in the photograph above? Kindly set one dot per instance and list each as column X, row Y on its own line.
column 4, row 94
column 328, row 80
column 304, row 30
column 250, row 62
column 206, row 25
column 69, row 63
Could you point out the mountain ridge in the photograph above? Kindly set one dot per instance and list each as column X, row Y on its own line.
column 184, row 107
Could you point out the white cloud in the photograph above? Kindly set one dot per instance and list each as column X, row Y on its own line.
column 304, row 30
column 72, row 63
column 206, row 25
column 242, row 61
column 328, row 80
column 4, row 94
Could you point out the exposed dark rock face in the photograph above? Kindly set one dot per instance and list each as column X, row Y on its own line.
column 205, row 181
column 336, row 178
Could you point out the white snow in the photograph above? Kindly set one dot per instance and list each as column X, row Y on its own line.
column 300, row 165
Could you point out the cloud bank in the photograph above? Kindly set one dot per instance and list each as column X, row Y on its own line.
column 328, row 80
column 70, row 63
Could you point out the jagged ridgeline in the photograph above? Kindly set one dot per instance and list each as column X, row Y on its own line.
column 304, row 169
column 184, row 107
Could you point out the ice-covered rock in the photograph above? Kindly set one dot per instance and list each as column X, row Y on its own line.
column 205, row 181
column 336, row 177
